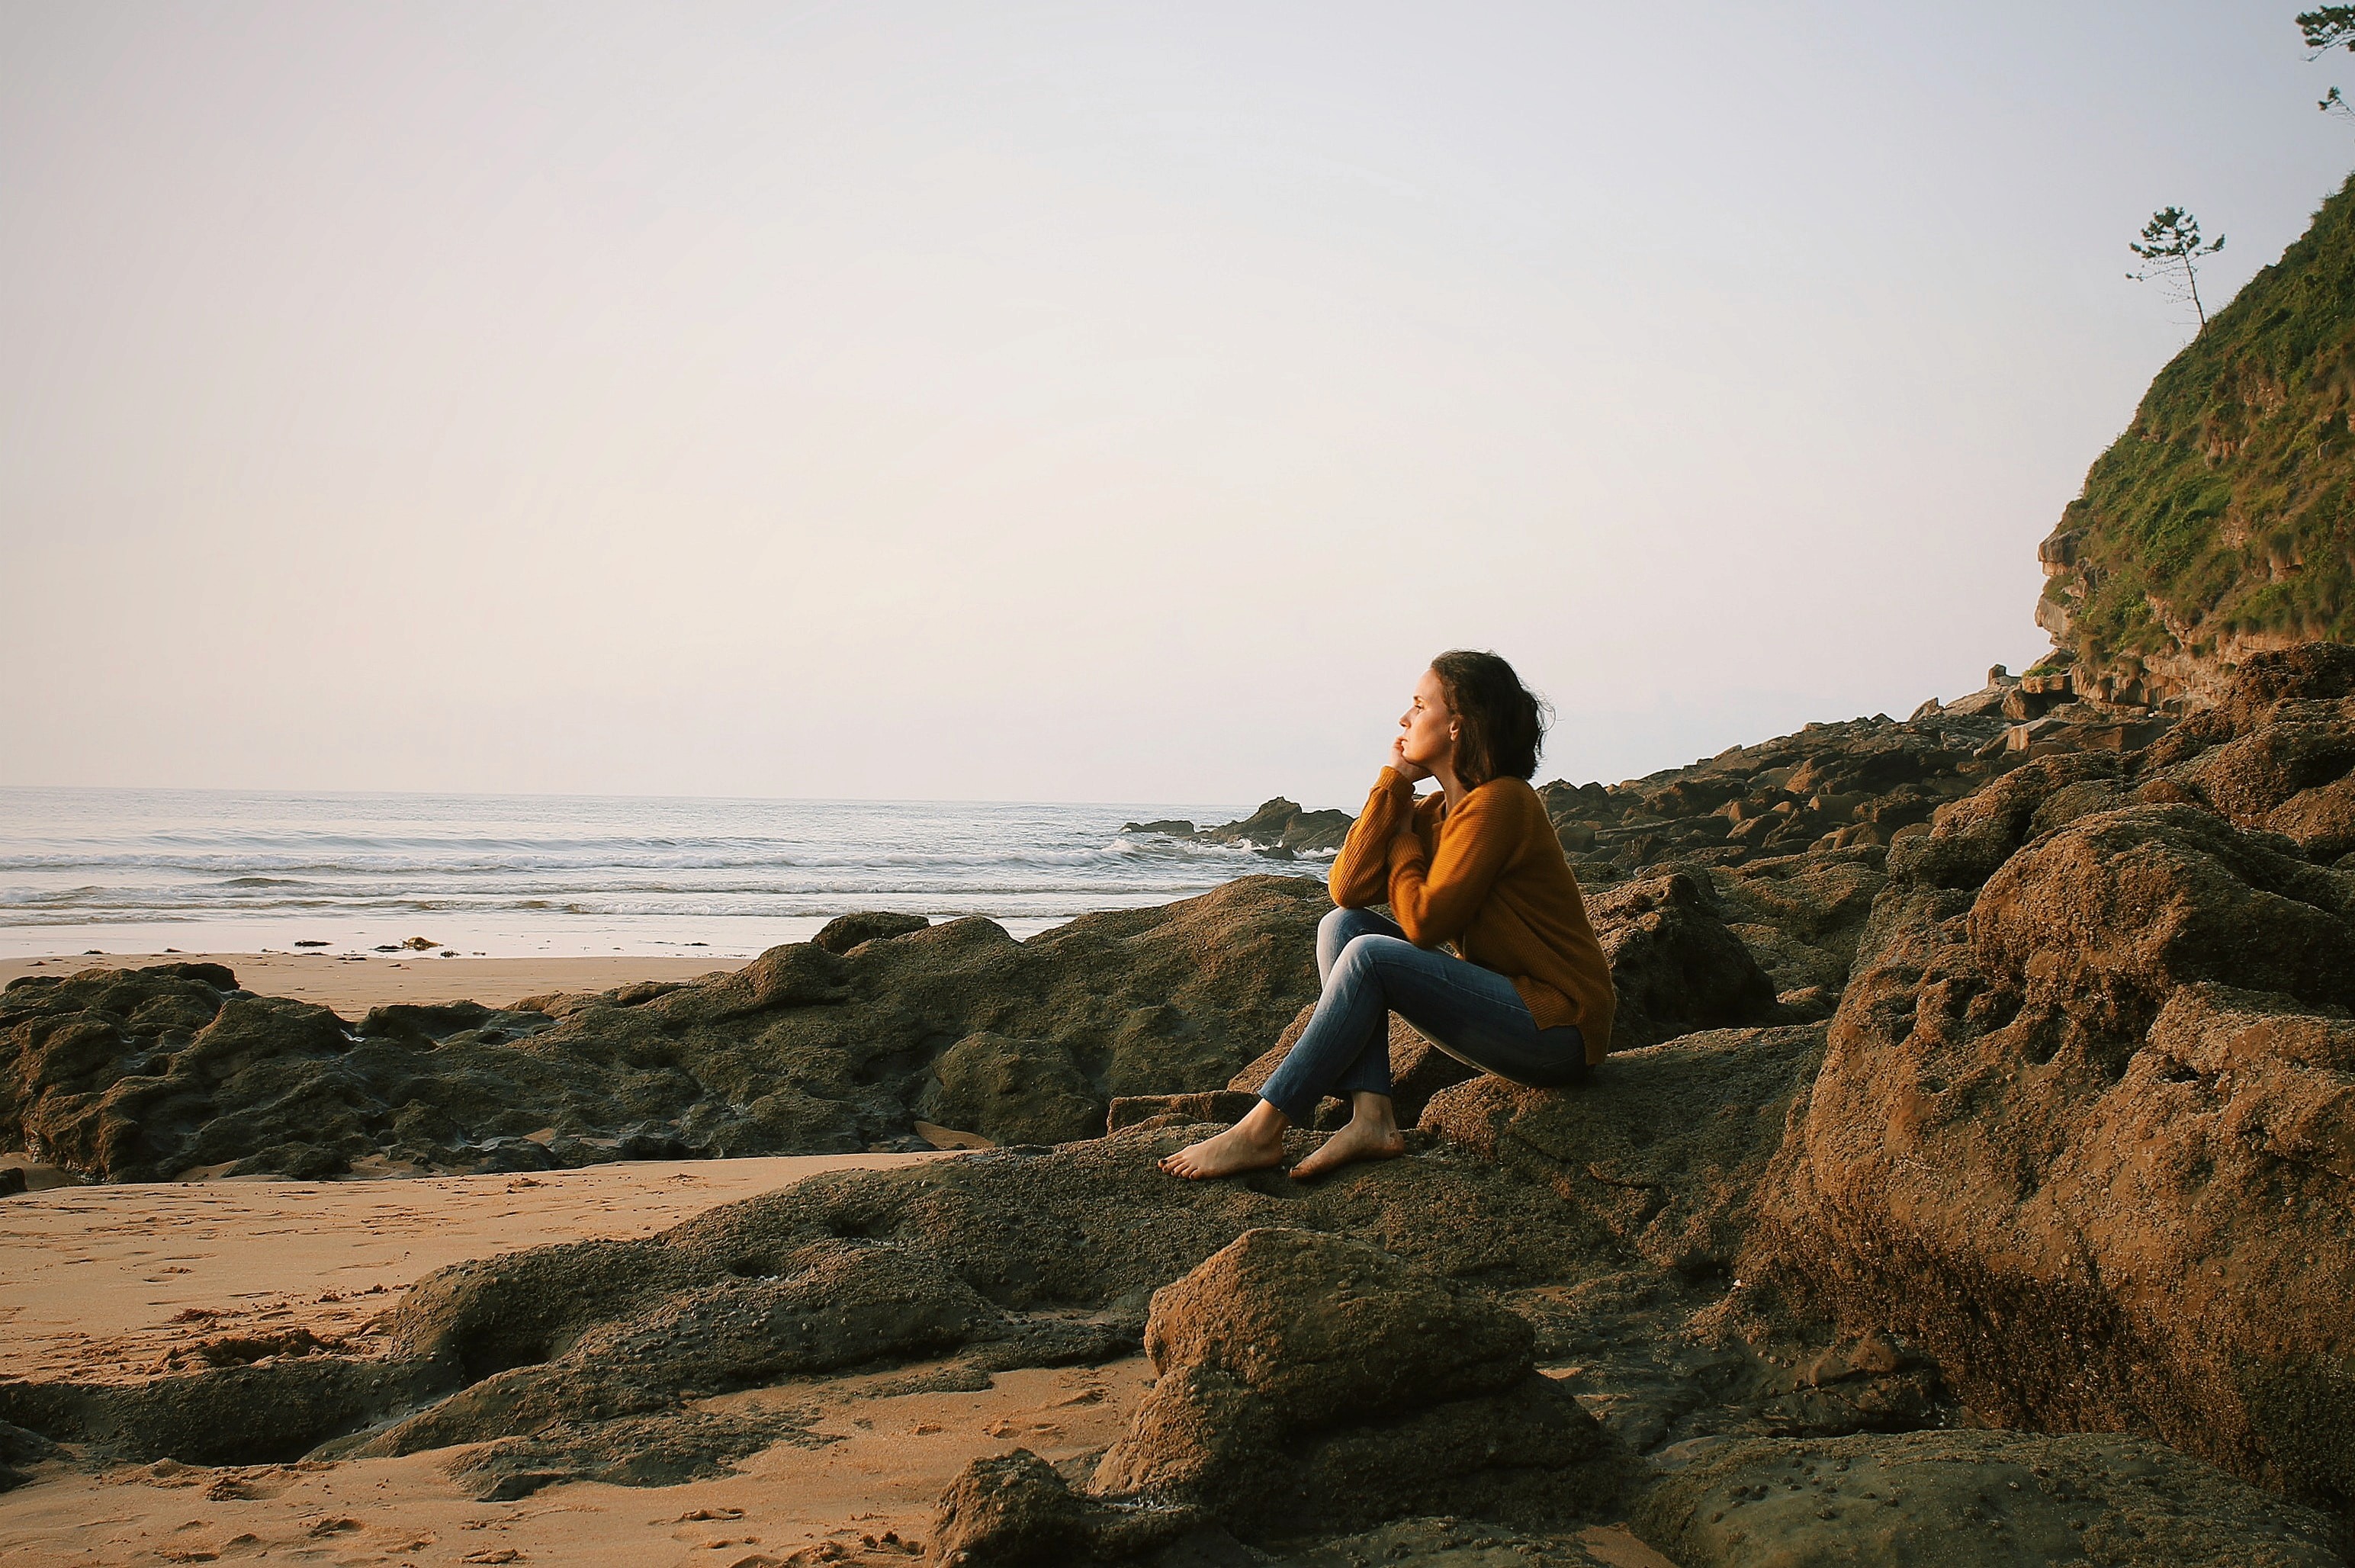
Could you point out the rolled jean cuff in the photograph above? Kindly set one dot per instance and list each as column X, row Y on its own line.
column 1299, row 1115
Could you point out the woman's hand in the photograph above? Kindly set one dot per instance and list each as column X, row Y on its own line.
column 1414, row 772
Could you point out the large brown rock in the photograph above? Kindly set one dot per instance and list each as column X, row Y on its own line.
column 2055, row 1141
column 2107, row 918
column 1665, row 1149
column 1012, row 1092
column 1014, row 1510
column 1674, row 965
column 1305, row 1380
column 1970, row 838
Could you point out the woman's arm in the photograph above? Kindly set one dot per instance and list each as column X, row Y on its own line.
column 1433, row 902
column 1361, row 872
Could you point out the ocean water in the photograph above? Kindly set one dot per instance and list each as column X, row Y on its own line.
column 216, row 871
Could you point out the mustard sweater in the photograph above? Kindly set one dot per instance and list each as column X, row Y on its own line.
column 1490, row 877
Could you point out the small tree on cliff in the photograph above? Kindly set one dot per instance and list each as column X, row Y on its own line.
column 2324, row 28
column 2170, row 243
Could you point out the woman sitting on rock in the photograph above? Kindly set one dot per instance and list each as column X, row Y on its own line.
column 1476, row 864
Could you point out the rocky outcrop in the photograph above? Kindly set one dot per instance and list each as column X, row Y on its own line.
column 1279, row 824
column 1305, row 1381
column 569, row 1358
column 1967, row 1499
column 2081, row 1126
column 1667, row 1159
column 141, row 1075
column 2215, row 527
column 1674, row 965
column 18, row 1446
column 2032, row 1111
column 1858, row 784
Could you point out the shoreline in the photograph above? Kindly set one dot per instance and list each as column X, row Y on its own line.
column 352, row 985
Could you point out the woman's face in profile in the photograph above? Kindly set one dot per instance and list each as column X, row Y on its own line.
column 1430, row 738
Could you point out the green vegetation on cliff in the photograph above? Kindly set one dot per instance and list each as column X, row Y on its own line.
column 2222, row 517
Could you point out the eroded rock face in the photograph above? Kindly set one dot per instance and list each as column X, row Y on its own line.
column 1967, row 1499
column 2079, row 1126
column 1665, row 1149
column 1674, row 965
column 1306, row 1381
column 141, row 1075
column 1012, row 1092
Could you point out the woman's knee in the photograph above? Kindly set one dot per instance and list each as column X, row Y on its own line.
column 1338, row 929
column 1363, row 957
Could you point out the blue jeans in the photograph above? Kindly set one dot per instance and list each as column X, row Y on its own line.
column 1370, row 971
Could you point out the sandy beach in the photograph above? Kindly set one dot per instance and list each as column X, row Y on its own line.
column 105, row 1283
column 108, row 1281
column 100, row 1283
column 351, row 986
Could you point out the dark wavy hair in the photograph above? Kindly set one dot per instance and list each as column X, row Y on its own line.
column 1501, row 723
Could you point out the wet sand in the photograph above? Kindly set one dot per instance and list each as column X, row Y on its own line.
column 352, row 986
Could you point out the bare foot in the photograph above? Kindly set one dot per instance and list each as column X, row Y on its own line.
column 1359, row 1141
column 1243, row 1146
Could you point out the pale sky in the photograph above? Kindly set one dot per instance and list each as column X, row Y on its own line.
column 1069, row 401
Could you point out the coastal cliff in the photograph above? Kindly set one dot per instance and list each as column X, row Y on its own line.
column 2220, row 523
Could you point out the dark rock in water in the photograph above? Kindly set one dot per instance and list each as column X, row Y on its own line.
column 1305, row 1380
column 844, row 933
column 1967, row 1499
column 1280, row 824
column 2081, row 1129
column 1170, row 827
column 142, row 1075
column 1674, row 965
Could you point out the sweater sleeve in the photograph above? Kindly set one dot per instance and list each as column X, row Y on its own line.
column 1435, row 897
column 1361, row 872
